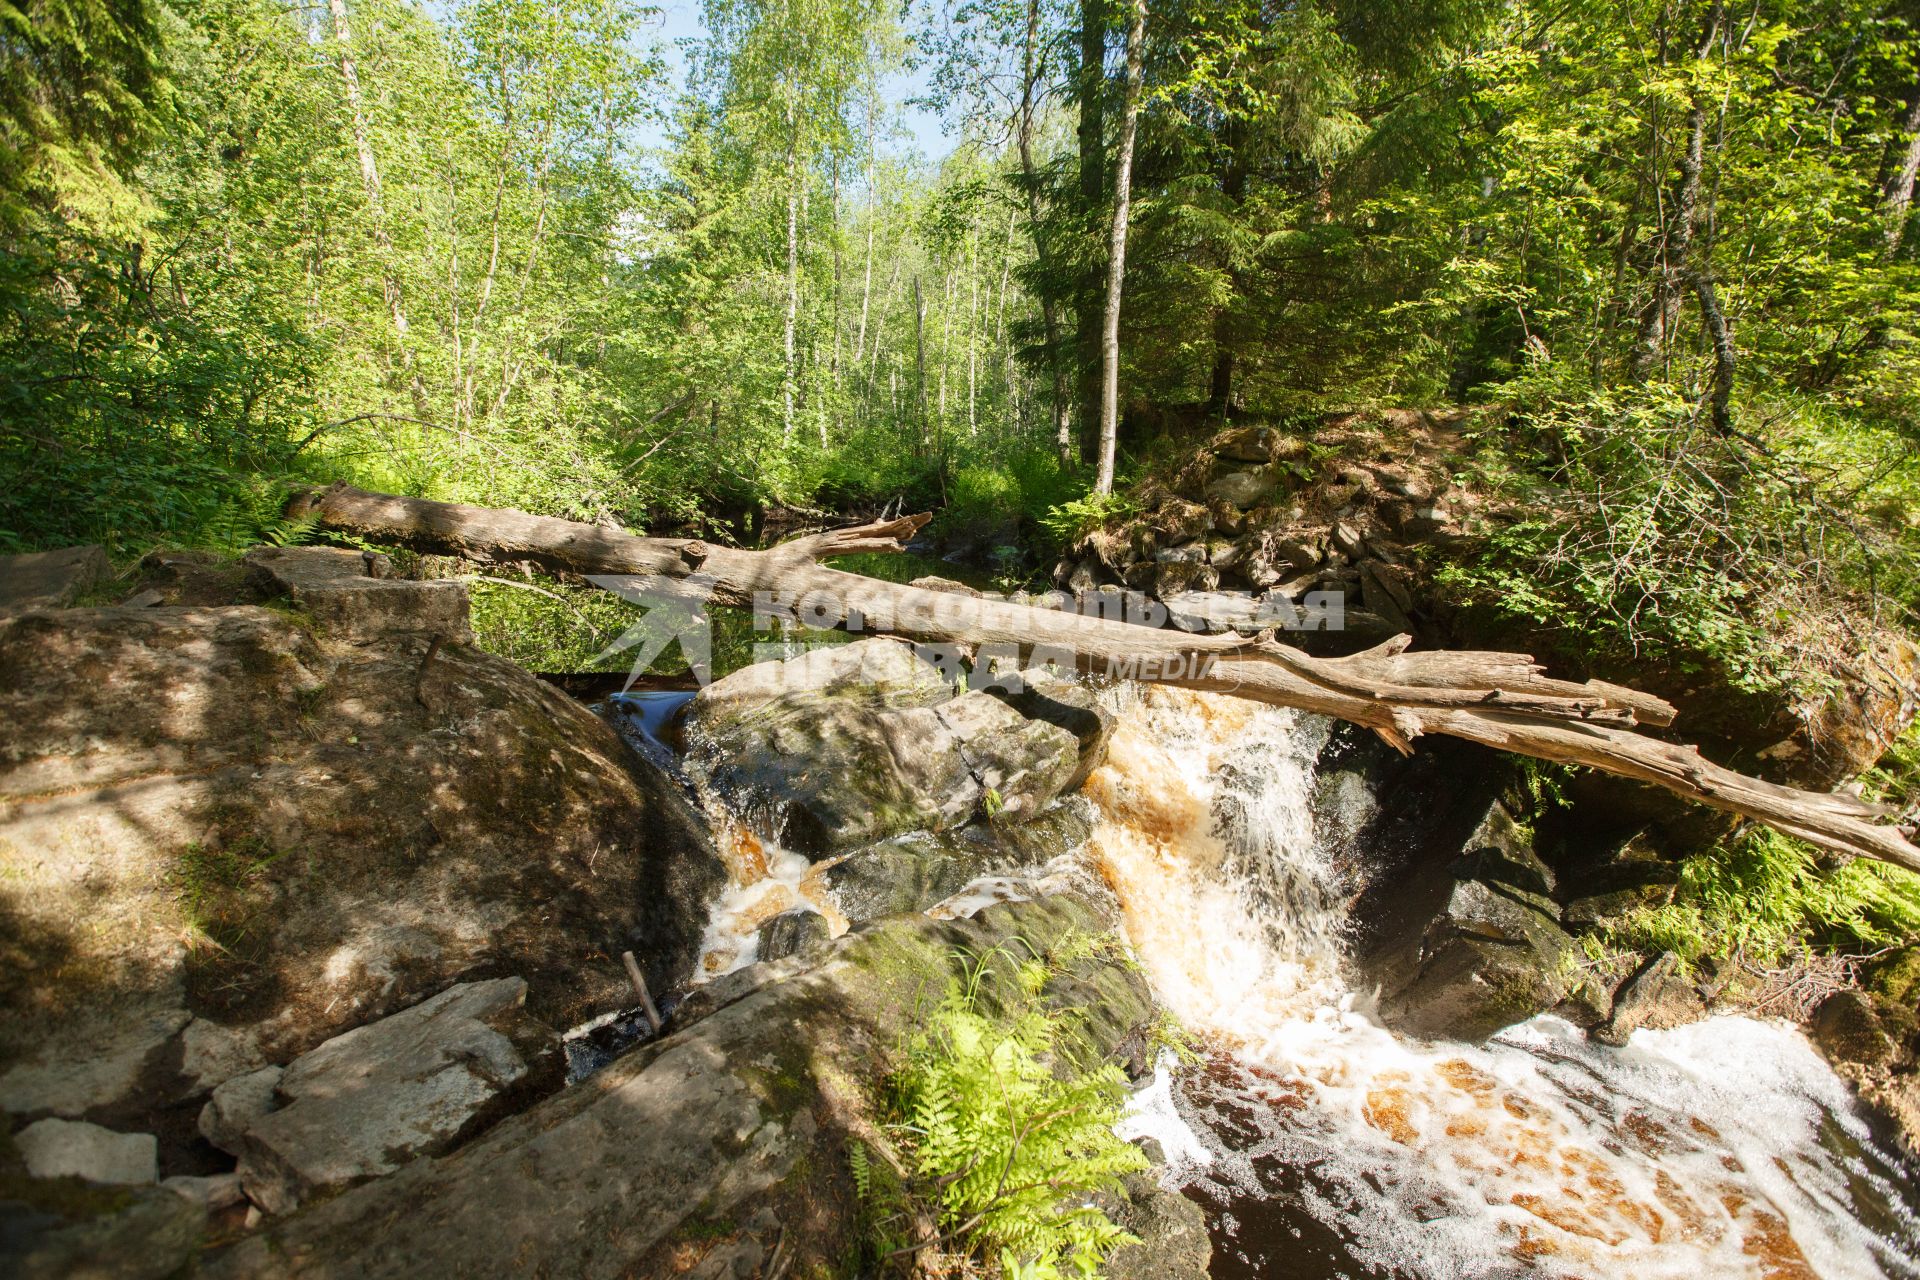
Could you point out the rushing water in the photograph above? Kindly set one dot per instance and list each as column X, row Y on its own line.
column 1324, row 1145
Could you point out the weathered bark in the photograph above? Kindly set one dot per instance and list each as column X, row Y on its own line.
column 1500, row 700
column 1724, row 360
column 1117, row 253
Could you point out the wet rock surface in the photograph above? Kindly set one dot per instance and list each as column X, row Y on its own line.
column 1493, row 955
column 913, row 872
column 792, row 933
column 1658, row 995
column 1174, row 1244
column 1459, row 927
column 1872, row 1038
column 854, row 743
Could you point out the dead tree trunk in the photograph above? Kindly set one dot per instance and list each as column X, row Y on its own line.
column 1497, row 699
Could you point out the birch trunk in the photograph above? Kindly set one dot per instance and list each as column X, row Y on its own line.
column 1117, row 254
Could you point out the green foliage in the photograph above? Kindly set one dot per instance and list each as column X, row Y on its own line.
column 1069, row 521
column 1652, row 541
column 78, row 83
column 1762, row 894
column 1007, row 1137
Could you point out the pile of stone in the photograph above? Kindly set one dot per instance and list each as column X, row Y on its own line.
column 1261, row 521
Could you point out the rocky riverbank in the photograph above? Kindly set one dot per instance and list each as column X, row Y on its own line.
column 302, row 890
column 303, row 896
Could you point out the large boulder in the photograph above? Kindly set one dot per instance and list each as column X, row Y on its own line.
column 230, row 833
column 1492, row 951
column 850, row 744
column 721, row 1143
column 1657, row 995
column 1873, row 1040
column 1457, row 923
column 917, row 870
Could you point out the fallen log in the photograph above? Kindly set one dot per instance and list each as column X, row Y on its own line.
column 1500, row 700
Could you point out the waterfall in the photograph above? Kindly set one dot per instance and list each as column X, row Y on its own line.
column 1324, row 1144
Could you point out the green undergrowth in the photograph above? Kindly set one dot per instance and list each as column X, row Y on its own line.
column 1761, row 895
column 1003, row 1136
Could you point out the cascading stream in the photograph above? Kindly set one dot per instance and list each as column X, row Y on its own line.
column 1326, row 1145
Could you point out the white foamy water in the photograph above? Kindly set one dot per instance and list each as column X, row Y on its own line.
column 1327, row 1145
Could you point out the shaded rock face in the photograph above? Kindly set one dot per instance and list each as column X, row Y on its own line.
column 854, row 743
column 64, row 1230
column 1174, row 1244
column 1657, row 996
column 49, row 579
column 1493, row 953
column 368, row 1101
column 673, row 1153
column 1457, row 925
column 792, row 933
column 230, row 833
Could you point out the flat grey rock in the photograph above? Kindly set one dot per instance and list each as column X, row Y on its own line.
column 705, row 1127
column 236, row 1104
column 55, row 1148
column 364, row 1103
column 49, row 579
column 340, row 589
column 216, row 1191
column 60, row 1080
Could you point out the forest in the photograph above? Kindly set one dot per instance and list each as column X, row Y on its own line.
column 252, row 244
